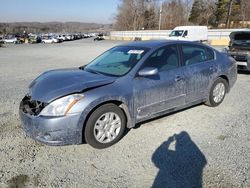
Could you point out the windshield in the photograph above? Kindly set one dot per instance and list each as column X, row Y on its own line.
column 117, row 61
column 176, row 33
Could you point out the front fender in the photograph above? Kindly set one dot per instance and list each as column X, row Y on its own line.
column 100, row 101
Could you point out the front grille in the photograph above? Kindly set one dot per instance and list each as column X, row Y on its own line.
column 240, row 57
column 241, row 67
column 31, row 107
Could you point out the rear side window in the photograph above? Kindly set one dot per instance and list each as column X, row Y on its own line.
column 193, row 54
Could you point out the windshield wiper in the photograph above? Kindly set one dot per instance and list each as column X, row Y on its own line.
column 82, row 67
column 93, row 71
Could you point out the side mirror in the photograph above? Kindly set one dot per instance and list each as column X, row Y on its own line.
column 148, row 71
column 224, row 50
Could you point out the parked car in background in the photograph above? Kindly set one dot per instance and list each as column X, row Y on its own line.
column 126, row 85
column 79, row 36
column 10, row 39
column 189, row 33
column 92, row 34
column 61, row 37
column 69, row 37
column 99, row 37
column 1, row 41
column 85, row 35
column 22, row 38
column 50, row 40
column 33, row 39
column 239, row 48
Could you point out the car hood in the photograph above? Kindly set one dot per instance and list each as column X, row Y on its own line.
column 58, row 83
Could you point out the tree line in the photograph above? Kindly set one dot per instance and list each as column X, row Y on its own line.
column 52, row 27
column 167, row 14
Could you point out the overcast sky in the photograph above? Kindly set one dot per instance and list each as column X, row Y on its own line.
column 98, row 11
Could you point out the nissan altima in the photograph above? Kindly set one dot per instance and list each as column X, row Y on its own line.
column 125, row 85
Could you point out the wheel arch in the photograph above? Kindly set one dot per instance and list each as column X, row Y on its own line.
column 121, row 104
column 224, row 77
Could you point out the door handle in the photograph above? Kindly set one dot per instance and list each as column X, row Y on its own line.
column 178, row 78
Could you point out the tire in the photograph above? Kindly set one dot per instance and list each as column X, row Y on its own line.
column 216, row 98
column 102, row 131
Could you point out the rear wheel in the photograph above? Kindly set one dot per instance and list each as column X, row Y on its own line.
column 105, row 126
column 217, row 92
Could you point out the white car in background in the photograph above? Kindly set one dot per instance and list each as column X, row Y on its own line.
column 50, row 40
column 10, row 40
column 61, row 37
column 189, row 33
column 69, row 37
column 93, row 34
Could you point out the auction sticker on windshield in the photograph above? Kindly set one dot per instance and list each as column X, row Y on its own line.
column 135, row 51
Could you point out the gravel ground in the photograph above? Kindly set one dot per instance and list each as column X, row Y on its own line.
column 200, row 146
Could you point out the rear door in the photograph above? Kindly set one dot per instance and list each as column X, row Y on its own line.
column 155, row 94
column 199, row 70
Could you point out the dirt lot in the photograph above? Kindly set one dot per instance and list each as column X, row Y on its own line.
column 202, row 146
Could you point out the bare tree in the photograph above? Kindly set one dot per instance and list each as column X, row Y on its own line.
column 188, row 6
column 173, row 14
column 136, row 14
column 244, row 10
column 130, row 15
column 208, row 12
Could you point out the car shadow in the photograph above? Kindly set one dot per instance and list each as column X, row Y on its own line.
column 180, row 163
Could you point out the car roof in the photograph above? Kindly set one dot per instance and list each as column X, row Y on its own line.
column 154, row 43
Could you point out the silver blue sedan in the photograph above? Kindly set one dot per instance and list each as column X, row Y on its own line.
column 126, row 85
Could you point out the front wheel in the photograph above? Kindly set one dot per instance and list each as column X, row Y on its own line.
column 217, row 92
column 105, row 126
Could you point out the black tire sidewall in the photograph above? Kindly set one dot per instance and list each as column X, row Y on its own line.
column 89, row 128
column 211, row 98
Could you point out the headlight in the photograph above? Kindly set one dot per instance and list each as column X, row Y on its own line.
column 61, row 107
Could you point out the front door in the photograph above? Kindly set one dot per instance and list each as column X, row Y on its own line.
column 166, row 90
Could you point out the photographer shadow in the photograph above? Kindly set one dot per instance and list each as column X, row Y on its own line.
column 180, row 163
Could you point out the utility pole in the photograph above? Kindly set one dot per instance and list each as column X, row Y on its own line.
column 229, row 13
column 160, row 15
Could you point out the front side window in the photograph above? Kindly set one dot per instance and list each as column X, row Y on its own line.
column 164, row 58
column 185, row 33
column 117, row 61
column 193, row 54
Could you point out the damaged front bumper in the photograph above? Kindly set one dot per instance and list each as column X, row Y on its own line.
column 52, row 130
